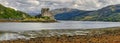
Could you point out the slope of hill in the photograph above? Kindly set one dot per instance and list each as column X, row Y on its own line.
column 109, row 13
column 68, row 13
column 9, row 13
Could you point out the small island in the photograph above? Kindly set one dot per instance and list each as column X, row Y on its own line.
column 45, row 16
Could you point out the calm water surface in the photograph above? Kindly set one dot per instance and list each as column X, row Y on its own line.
column 59, row 25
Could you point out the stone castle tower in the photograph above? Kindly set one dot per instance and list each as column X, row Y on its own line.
column 46, row 12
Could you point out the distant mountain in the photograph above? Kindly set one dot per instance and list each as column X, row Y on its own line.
column 109, row 13
column 68, row 13
column 9, row 13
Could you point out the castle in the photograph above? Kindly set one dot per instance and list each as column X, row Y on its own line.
column 47, row 13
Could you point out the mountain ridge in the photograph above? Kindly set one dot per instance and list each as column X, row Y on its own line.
column 109, row 13
column 67, row 13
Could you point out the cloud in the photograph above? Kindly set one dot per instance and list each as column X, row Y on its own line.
column 35, row 6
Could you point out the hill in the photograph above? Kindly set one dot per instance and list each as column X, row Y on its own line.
column 109, row 13
column 68, row 13
column 9, row 13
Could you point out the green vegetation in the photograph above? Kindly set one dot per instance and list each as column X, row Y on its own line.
column 1, row 32
column 9, row 13
column 97, row 17
column 45, row 17
column 109, row 13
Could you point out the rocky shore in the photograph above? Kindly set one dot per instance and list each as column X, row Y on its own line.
column 106, row 35
column 32, row 20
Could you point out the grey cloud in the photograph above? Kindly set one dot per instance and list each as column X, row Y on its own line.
column 35, row 5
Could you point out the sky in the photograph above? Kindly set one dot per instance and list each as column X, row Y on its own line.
column 34, row 6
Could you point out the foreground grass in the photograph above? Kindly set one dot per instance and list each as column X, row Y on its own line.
column 106, row 35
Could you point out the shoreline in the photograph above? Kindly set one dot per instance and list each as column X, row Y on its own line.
column 103, row 35
column 47, row 21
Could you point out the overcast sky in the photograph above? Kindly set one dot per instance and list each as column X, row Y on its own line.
column 36, row 5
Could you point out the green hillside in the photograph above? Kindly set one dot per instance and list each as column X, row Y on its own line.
column 9, row 13
column 109, row 13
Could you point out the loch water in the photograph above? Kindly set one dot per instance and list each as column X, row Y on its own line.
column 16, row 26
